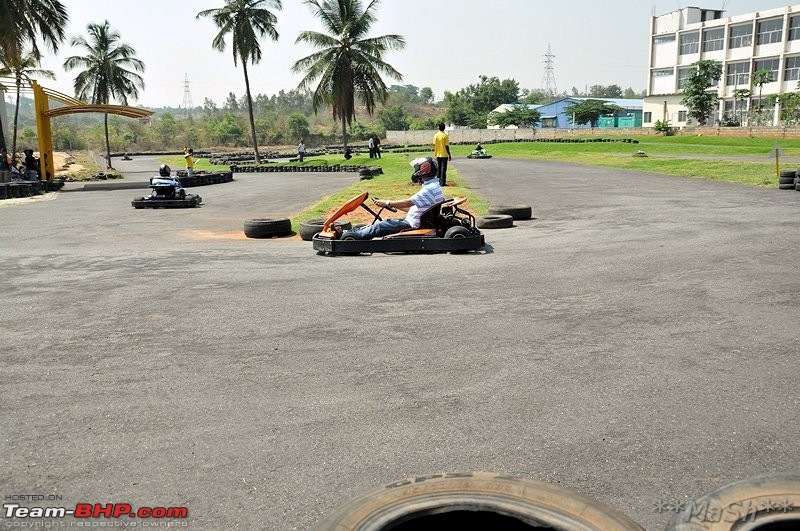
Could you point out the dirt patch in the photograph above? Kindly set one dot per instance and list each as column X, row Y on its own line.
column 64, row 163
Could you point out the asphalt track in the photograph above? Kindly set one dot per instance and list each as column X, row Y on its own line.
column 636, row 342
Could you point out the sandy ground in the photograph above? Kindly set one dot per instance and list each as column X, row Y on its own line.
column 64, row 163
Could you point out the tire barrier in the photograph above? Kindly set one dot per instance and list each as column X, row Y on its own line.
column 202, row 178
column 363, row 171
column 426, row 147
column 475, row 500
column 756, row 503
column 498, row 221
column 485, row 500
column 309, row 228
column 267, row 227
column 21, row 189
column 517, row 212
column 787, row 179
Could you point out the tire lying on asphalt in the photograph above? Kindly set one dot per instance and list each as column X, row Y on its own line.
column 786, row 186
column 495, row 221
column 309, row 228
column 756, row 503
column 267, row 227
column 518, row 212
column 475, row 500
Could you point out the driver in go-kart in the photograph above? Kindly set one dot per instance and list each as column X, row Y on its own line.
column 429, row 195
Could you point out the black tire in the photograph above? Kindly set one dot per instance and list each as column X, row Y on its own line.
column 788, row 173
column 267, row 227
column 309, row 228
column 797, row 187
column 518, row 212
column 457, row 231
column 786, row 186
column 755, row 503
column 786, row 180
column 476, row 500
column 499, row 221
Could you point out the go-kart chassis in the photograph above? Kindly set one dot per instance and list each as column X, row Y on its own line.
column 433, row 239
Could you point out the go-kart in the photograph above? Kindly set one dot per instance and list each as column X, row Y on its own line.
column 167, row 193
column 479, row 154
column 444, row 227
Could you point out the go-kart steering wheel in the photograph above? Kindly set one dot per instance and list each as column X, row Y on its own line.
column 387, row 207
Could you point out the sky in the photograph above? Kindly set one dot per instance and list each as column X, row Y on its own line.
column 449, row 44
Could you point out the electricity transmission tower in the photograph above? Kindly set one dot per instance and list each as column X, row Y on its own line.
column 549, row 78
column 187, row 96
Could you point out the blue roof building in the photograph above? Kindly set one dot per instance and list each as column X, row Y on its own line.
column 554, row 115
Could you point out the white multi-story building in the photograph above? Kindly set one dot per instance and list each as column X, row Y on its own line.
column 764, row 40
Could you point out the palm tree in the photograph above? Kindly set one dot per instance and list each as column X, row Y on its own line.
column 347, row 62
column 26, row 21
column 110, row 70
column 761, row 78
column 21, row 68
column 247, row 21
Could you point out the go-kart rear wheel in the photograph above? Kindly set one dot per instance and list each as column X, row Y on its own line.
column 457, row 232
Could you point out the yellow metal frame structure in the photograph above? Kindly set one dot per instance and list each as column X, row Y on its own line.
column 41, row 104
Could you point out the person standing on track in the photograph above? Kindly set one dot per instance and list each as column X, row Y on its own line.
column 441, row 150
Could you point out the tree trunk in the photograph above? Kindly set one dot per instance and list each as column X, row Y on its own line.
column 108, row 144
column 16, row 117
column 250, row 111
column 344, row 133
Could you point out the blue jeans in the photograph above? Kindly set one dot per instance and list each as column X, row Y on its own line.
column 381, row 228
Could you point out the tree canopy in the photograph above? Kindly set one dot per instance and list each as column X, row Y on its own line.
column 589, row 111
column 699, row 101
column 519, row 115
column 471, row 105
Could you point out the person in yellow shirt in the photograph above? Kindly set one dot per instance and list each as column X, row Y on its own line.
column 189, row 156
column 441, row 150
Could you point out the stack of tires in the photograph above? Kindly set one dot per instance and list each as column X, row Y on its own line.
column 503, row 217
column 788, row 180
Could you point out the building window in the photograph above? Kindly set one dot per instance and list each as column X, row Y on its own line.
column 794, row 28
column 768, row 64
column 550, row 122
column 792, row 68
column 663, row 39
column 741, row 36
column 683, row 76
column 690, row 43
column 770, row 31
column 682, row 116
column 738, row 75
column 662, row 73
column 647, row 117
column 713, row 39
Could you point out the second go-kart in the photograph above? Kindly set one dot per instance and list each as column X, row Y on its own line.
column 167, row 193
column 479, row 153
column 444, row 227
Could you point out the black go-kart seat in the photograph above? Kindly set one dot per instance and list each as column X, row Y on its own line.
column 430, row 219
